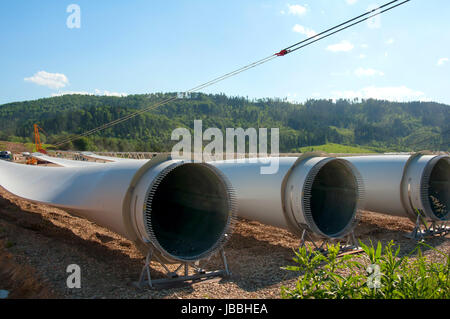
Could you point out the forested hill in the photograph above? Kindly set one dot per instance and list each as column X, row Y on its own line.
column 379, row 125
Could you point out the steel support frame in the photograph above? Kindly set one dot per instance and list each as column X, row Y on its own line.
column 350, row 243
column 422, row 229
column 200, row 274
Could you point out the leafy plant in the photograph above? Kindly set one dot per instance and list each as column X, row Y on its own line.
column 407, row 277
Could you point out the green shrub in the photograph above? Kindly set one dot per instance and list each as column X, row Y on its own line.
column 384, row 275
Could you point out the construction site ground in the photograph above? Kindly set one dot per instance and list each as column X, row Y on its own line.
column 38, row 242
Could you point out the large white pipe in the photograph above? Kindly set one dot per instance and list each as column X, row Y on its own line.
column 402, row 184
column 62, row 161
column 90, row 155
column 319, row 194
column 183, row 210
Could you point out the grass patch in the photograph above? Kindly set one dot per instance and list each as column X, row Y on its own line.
column 384, row 275
column 336, row 148
column 32, row 147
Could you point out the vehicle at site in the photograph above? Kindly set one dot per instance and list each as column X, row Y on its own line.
column 5, row 155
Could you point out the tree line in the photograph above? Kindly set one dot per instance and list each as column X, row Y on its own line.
column 375, row 124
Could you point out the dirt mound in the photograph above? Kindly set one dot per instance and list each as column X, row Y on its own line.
column 20, row 280
column 13, row 147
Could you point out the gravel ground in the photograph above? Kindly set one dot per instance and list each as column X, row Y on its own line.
column 40, row 242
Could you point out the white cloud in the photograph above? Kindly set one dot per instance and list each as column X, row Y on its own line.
column 71, row 92
column 362, row 56
column 296, row 9
column 108, row 93
column 301, row 29
column 364, row 46
column 441, row 61
column 50, row 80
column 343, row 46
column 398, row 94
column 360, row 72
column 351, row 1
column 390, row 41
column 96, row 92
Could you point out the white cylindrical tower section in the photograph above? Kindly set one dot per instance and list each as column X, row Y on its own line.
column 316, row 193
column 403, row 185
column 183, row 211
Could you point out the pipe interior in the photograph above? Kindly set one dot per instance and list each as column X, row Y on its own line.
column 334, row 198
column 439, row 188
column 190, row 211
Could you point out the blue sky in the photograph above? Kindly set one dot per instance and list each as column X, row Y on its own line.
column 134, row 47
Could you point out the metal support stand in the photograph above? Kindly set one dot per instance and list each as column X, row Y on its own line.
column 422, row 229
column 173, row 277
column 350, row 243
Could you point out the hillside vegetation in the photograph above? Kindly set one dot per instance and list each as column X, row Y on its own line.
column 370, row 125
column 335, row 148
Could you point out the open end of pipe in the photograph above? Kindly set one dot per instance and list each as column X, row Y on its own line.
column 334, row 198
column 439, row 188
column 190, row 212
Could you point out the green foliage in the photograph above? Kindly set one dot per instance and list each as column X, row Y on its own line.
column 406, row 277
column 374, row 125
column 335, row 148
column 32, row 146
column 83, row 144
